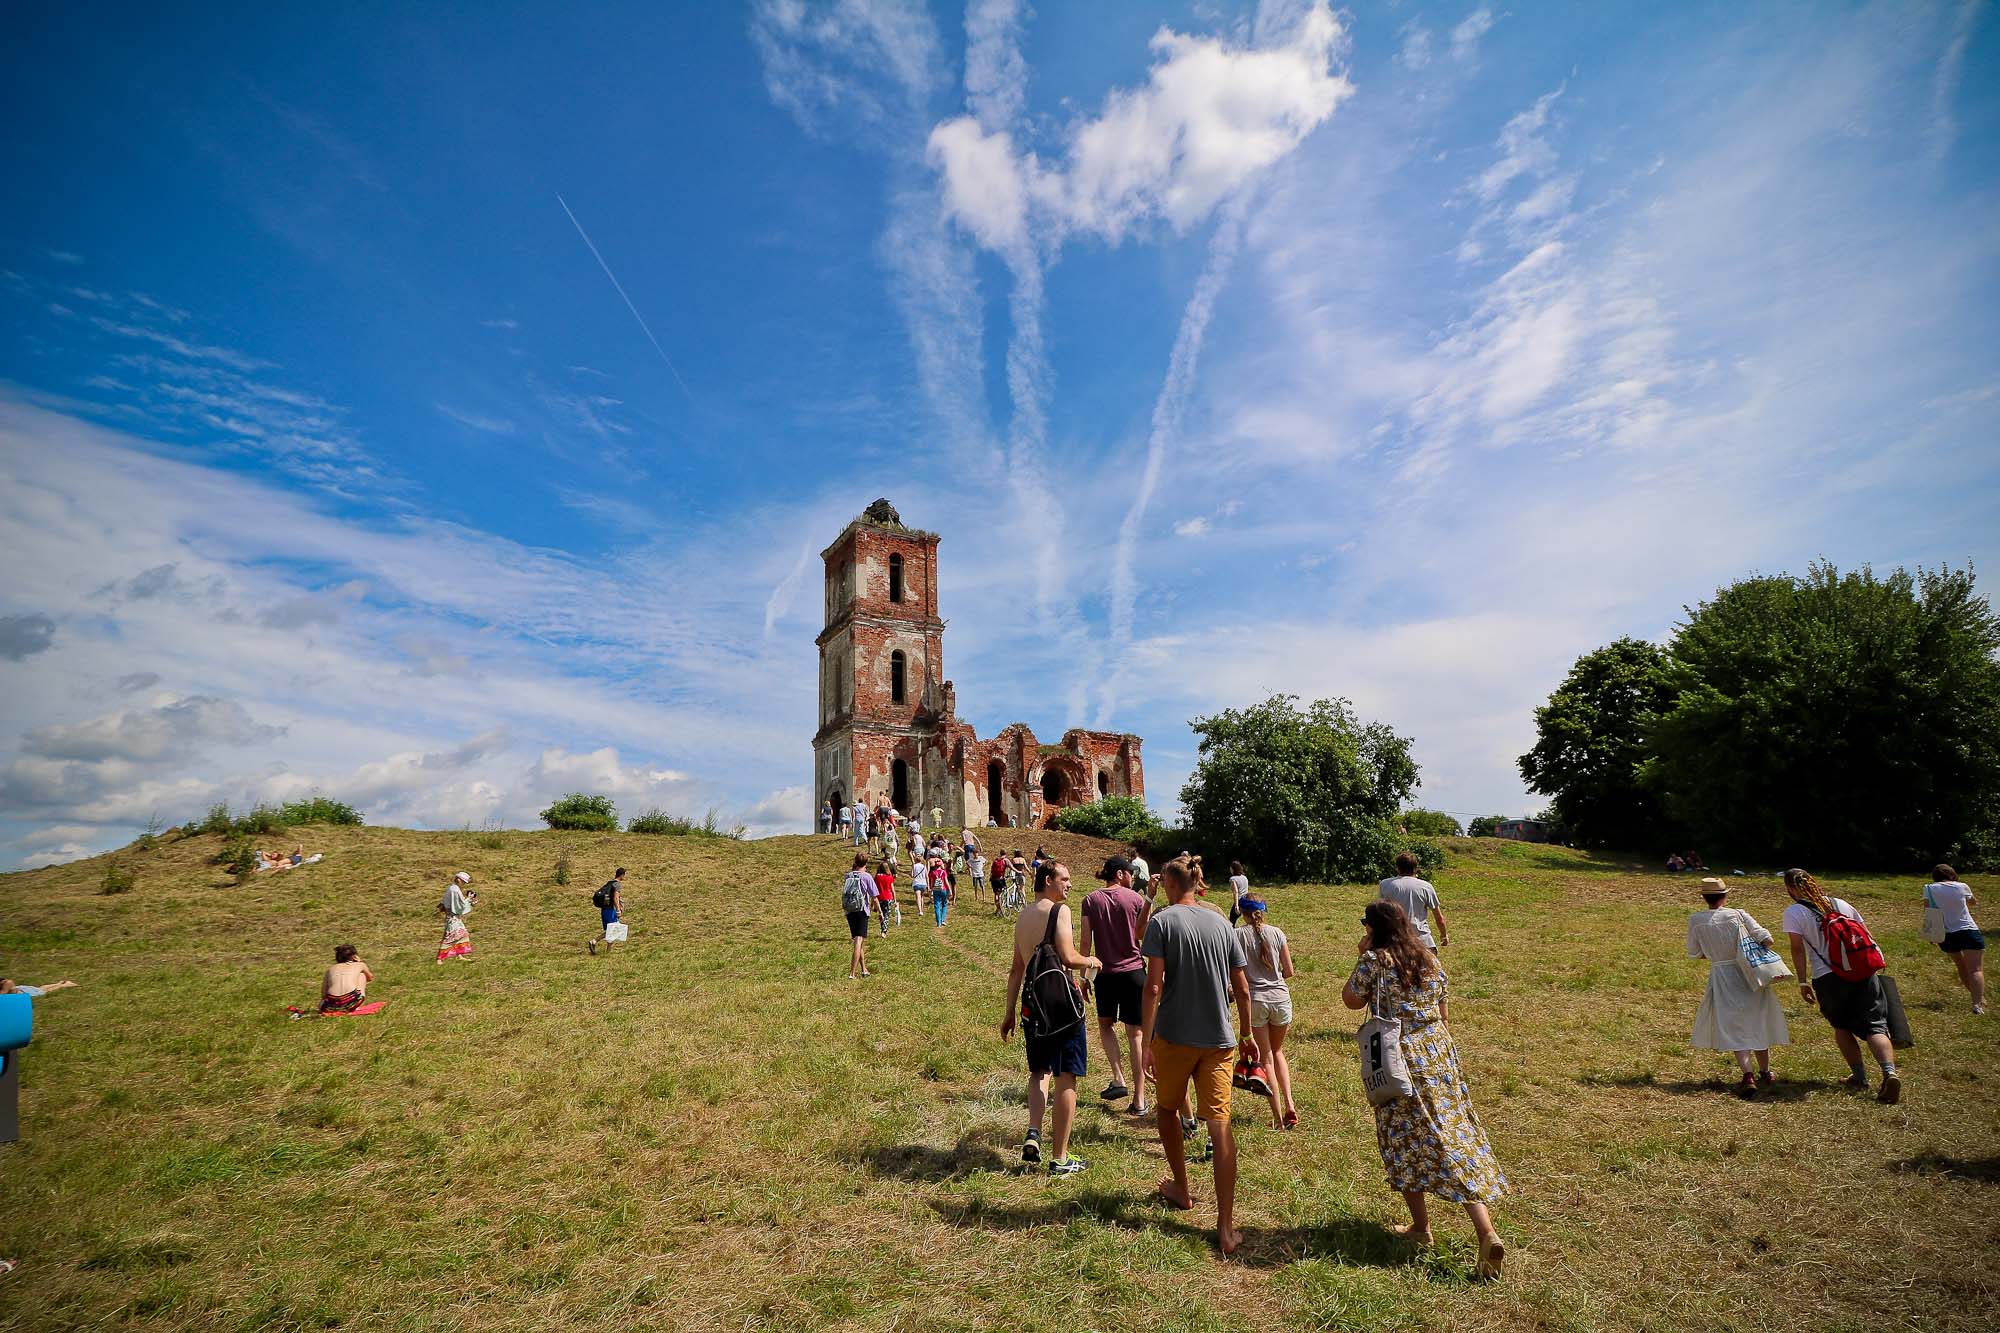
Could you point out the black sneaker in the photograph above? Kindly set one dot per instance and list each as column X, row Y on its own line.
column 1067, row 1166
column 1031, row 1149
column 1858, row 1080
column 1116, row 1092
column 1892, row 1090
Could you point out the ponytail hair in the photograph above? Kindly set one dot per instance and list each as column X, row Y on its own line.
column 1264, row 958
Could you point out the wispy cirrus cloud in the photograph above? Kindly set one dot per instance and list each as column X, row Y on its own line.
column 479, row 421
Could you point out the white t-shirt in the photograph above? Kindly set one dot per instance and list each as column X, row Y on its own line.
column 1239, row 885
column 1951, row 894
column 1417, row 898
column 1802, row 920
column 978, row 866
column 1141, row 872
column 920, row 874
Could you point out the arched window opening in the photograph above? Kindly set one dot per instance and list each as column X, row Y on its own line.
column 895, row 578
column 899, row 784
column 996, row 781
column 898, row 676
column 1103, row 785
column 1052, row 788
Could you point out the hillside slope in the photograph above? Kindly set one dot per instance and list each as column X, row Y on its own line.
column 713, row 1128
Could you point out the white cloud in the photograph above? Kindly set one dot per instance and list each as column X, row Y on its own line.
column 1465, row 38
column 491, row 425
column 1415, row 52
column 1210, row 116
column 1192, row 527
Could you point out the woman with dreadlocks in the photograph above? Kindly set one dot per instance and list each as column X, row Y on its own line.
column 1431, row 1141
column 1856, row 1010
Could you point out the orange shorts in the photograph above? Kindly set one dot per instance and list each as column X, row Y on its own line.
column 1207, row 1066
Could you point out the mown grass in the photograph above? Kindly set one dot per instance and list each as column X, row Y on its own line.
column 714, row 1129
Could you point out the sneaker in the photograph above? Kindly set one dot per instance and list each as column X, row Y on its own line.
column 1031, row 1149
column 1978, row 1008
column 593, row 948
column 1858, row 1080
column 1067, row 1166
column 1892, row 1090
column 1254, row 1081
column 1116, row 1092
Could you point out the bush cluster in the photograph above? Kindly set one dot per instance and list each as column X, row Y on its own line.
column 118, row 878
column 1424, row 823
column 581, row 810
column 1118, row 818
column 658, row 821
column 318, row 809
column 238, row 855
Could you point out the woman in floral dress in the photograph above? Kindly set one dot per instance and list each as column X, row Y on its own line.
column 457, row 901
column 1431, row 1141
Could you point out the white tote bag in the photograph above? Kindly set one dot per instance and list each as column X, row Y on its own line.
column 1385, row 1074
column 1933, row 926
column 616, row 933
column 1760, row 962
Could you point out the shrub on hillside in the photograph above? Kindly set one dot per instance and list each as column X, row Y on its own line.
column 1431, row 824
column 562, row 866
column 217, row 821
column 118, row 879
column 658, row 821
column 1119, row 818
column 239, row 856
column 263, row 819
column 578, row 810
column 319, row 810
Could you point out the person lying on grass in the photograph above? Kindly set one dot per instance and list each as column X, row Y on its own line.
column 345, row 984
column 10, row 987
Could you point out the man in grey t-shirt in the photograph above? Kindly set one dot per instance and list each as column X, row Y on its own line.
column 1418, row 900
column 1194, row 969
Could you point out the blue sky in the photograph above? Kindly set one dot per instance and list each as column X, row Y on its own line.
column 1398, row 352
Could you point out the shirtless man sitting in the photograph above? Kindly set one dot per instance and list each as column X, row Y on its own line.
column 345, row 985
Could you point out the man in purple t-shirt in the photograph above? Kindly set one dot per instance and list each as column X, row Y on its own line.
column 1114, row 921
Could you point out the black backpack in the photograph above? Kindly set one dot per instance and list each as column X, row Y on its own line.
column 602, row 898
column 1050, row 1002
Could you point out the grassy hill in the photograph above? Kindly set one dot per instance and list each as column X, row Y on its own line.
column 714, row 1128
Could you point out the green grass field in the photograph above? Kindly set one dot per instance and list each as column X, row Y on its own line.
column 715, row 1129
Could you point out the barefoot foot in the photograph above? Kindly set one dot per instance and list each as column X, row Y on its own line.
column 1175, row 1196
column 1230, row 1240
column 1419, row 1237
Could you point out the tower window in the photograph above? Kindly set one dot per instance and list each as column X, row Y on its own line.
column 898, row 676
column 896, row 578
column 1103, row 785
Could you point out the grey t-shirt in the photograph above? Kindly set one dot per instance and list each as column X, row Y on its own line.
column 1417, row 898
column 1200, row 951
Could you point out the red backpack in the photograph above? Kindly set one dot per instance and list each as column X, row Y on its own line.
column 1850, row 950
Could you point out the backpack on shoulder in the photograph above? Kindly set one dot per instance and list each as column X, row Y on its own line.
column 1850, row 950
column 602, row 898
column 856, row 892
column 1050, row 1002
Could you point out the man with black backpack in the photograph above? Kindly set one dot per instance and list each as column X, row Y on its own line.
column 609, row 901
column 1050, row 1006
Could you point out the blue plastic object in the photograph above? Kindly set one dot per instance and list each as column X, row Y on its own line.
column 17, row 1021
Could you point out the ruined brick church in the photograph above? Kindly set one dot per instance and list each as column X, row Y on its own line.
column 888, row 720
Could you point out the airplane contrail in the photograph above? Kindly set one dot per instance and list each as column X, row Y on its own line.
column 620, row 289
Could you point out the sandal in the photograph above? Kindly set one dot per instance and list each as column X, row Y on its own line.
column 1291, row 1120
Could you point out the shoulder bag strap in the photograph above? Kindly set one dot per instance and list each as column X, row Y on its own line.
column 1049, row 935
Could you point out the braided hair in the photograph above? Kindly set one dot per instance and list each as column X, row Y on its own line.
column 1807, row 890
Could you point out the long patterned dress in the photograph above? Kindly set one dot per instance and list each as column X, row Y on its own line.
column 457, row 941
column 1430, row 1141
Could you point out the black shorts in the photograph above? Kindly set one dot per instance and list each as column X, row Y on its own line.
column 1961, row 940
column 857, row 925
column 1853, row 1006
column 1121, row 996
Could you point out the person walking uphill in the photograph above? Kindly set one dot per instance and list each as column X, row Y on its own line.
column 1114, row 921
column 1846, row 983
column 1952, row 899
column 1738, row 1013
column 609, row 902
column 857, row 900
column 1050, row 1004
column 1418, row 899
column 1430, row 1140
column 457, row 902
column 1194, row 969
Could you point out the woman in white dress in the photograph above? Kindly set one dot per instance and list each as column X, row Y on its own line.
column 1736, row 1015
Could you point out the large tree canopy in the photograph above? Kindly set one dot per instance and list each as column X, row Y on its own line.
column 1590, row 739
column 1839, row 719
column 1304, row 793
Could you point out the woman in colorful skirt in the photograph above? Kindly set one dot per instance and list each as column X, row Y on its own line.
column 1431, row 1141
column 455, row 904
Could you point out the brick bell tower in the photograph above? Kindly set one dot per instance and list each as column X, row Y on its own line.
column 881, row 663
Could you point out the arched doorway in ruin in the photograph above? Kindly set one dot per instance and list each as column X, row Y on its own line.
column 996, row 784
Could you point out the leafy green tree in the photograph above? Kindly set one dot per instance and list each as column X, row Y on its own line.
column 1483, row 825
column 1590, row 739
column 578, row 810
column 1305, row 793
column 1424, row 823
column 1842, row 719
column 1119, row 818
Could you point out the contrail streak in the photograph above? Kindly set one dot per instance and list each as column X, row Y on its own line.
column 620, row 289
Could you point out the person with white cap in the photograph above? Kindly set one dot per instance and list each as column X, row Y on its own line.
column 1736, row 1014
column 458, row 900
